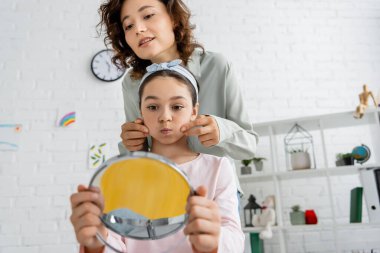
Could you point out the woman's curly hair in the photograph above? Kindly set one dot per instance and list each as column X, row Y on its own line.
column 124, row 55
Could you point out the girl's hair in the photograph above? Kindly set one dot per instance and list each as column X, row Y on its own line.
column 175, row 75
column 124, row 55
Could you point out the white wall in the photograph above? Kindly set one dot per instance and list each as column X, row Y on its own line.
column 293, row 58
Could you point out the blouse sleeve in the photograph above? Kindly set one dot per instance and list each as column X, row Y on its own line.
column 237, row 137
column 131, row 109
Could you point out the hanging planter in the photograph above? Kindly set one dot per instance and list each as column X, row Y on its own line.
column 299, row 149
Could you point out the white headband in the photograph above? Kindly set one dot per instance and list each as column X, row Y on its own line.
column 175, row 66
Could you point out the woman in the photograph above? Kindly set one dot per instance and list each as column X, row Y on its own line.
column 153, row 31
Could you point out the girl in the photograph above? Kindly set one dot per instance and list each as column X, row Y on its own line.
column 154, row 31
column 168, row 97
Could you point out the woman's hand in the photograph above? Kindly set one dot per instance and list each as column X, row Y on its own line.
column 133, row 135
column 87, row 205
column 205, row 127
column 204, row 222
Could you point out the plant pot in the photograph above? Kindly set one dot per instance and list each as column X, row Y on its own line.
column 259, row 165
column 246, row 170
column 300, row 160
column 348, row 161
column 297, row 218
column 340, row 162
column 345, row 161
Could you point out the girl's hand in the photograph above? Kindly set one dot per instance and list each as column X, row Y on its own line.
column 204, row 222
column 87, row 205
column 133, row 134
column 205, row 127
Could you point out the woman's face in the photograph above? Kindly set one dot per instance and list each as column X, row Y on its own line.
column 166, row 106
column 148, row 30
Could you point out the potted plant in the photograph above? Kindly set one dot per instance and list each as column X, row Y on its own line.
column 339, row 159
column 246, row 169
column 344, row 159
column 300, row 159
column 258, row 162
column 297, row 217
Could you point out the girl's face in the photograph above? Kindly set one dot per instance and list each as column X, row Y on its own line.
column 165, row 107
column 148, row 30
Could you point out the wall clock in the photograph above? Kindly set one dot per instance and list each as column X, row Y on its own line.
column 103, row 68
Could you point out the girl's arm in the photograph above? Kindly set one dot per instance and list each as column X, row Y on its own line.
column 214, row 224
column 231, row 237
column 203, row 226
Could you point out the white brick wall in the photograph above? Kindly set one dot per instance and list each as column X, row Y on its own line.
column 293, row 58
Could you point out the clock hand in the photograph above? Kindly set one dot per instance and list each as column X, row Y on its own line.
column 109, row 66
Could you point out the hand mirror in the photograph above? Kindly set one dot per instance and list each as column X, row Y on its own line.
column 145, row 196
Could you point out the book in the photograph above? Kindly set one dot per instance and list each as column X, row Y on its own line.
column 356, row 205
column 257, row 245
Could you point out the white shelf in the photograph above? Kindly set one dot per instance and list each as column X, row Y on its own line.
column 273, row 133
column 308, row 173
column 345, row 170
column 311, row 123
column 296, row 174
column 256, row 177
column 258, row 229
column 295, row 228
column 358, row 225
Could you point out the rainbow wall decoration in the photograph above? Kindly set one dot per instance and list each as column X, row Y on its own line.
column 67, row 120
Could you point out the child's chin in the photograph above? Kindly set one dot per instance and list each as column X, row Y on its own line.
column 167, row 140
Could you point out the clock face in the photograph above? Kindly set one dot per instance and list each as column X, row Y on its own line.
column 103, row 68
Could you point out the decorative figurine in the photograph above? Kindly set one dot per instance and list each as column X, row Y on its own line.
column 363, row 97
column 266, row 219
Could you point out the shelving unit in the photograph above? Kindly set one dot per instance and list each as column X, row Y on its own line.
column 332, row 171
column 327, row 146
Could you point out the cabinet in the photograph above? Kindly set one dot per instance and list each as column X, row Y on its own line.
column 326, row 189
